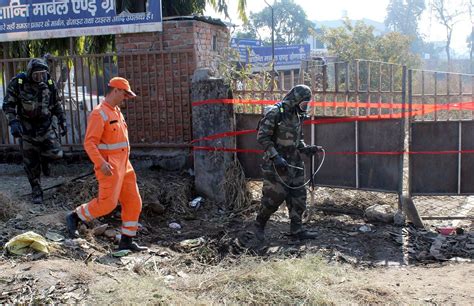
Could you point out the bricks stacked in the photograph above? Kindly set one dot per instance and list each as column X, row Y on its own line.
column 160, row 66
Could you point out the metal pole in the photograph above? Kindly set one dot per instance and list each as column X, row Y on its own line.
column 273, row 47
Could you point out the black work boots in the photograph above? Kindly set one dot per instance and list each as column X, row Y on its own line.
column 304, row 234
column 259, row 230
column 126, row 243
column 72, row 220
column 37, row 195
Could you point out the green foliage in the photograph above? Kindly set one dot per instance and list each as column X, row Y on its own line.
column 189, row 7
column 182, row 7
column 245, row 83
column 290, row 20
column 62, row 46
column 403, row 17
column 358, row 41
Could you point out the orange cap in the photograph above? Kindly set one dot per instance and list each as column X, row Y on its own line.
column 122, row 83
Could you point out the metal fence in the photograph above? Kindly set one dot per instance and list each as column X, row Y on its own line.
column 386, row 128
column 355, row 97
column 442, row 129
column 159, row 116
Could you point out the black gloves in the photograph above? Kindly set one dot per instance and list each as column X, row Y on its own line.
column 280, row 163
column 63, row 128
column 15, row 128
column 311, row 150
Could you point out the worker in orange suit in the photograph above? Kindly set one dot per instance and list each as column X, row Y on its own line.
column 106, row 143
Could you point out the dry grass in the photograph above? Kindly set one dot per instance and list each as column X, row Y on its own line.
column 307, row 280
column 235, row 185
column 171, row 189
column 78, row 192
column 7, row 209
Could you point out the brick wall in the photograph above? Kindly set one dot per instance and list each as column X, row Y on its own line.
column 159, row 66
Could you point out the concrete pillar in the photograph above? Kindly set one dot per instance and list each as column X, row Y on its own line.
column 211, row 119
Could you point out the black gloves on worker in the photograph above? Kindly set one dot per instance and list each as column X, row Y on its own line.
column 311, row 150
column 15, row 128
column 280, row 163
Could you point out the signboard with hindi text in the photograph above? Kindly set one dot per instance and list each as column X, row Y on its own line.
column 260, row 57
column 43, row 19
column 286, row 57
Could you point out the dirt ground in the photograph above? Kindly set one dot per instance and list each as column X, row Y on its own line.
column 213, row 257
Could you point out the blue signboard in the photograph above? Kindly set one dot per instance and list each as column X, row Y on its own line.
column 286, row 57
column 244, row 42
column 42, row 19
column 242, row 45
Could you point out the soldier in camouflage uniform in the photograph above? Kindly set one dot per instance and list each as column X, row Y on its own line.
column 30, row 104
column 280, row 132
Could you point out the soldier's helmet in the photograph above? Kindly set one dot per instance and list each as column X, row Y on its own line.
column 37, row 70
column 298, row 94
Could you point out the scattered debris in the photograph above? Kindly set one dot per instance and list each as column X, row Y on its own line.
column 426, row 246
column 110, row 233
column 365, row 228
column 54, row 236
column 190, row 244
column 24, row 243
column 121, row 253
column 196, row 203
column 399, row 218
column 446, row 230
column 380, row 213
column 174, row 225
column 100, row 230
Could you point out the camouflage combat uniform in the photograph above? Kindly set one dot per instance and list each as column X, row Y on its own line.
column 280, row 133
column 34, row 105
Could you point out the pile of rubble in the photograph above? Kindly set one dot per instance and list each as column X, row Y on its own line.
column 429, row 246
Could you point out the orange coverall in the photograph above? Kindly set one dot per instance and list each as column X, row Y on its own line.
column 106, row 140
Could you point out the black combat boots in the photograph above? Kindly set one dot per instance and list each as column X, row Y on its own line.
column 304, row 234
column 297, row 231
column 259, row 227
column 126, row 243
column 45, row 168
column 72, row 220
column 37, row 195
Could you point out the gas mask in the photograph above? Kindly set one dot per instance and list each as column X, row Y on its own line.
column 39, row 76
column 304, row 107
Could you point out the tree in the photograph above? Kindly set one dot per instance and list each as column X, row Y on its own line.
column 403, row 16
column 290, row 20
column 188, row 7
column 358, row 41
column 447, row 14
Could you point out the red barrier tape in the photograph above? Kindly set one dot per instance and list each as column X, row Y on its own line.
column 417, row 109
column 197, row 148
column 306, row 122
column 200, row 148
column 223, row 135
column 364, row 105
